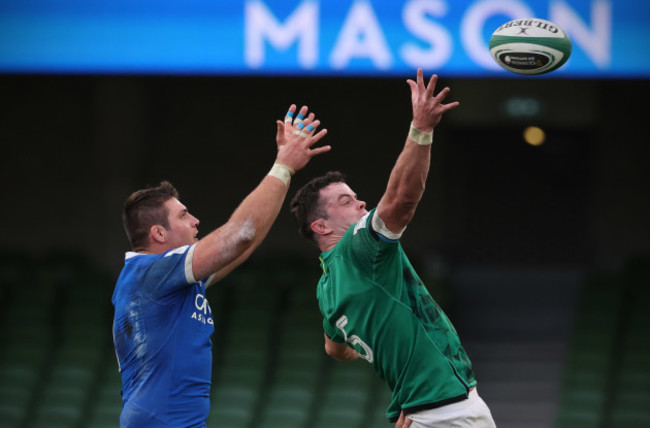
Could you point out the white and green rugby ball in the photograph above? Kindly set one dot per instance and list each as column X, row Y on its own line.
column 530, row 46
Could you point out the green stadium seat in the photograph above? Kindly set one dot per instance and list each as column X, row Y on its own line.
column 61, row 410
column 233, row 405
column 230, row 418
column 585, row 388
column 341, row 418
column 14, row 404
column 105, row 409
column 568, row 418
column 284, row 418
column 379, row 403
column 629, row 419
column 18, row 384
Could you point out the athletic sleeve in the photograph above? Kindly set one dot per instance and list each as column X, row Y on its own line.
column 170, row 272
column 367, row 248
column 332, row 332
column 379, row 227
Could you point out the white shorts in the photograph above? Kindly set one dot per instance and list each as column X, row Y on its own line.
column 470, row 413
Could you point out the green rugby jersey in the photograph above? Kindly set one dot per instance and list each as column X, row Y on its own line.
column 372, row 298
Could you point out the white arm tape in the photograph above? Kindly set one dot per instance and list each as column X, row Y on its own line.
column 379, row 226
column 421, row 137
column 189, row 271
column 282, row 172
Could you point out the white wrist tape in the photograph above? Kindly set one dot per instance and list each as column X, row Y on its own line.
column 420, row 137
column 282, row 172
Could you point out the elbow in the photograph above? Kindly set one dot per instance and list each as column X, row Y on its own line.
column 341, row 352
column 333, row 351
column 242, row 236
column 247, row 231
column 330, row 349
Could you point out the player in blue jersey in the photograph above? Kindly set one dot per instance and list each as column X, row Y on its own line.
column 374, row 304
column 163, row 322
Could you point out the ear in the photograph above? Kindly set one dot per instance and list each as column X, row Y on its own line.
column 319, row 227
column 158, row 234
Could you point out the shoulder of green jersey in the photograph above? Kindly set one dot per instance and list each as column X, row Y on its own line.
column 361, row 224
column 379, row 226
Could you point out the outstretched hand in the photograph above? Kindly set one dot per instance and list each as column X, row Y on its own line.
column 427, row 108
column 296, row 136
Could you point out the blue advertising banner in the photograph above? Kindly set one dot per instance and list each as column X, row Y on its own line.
column 611, row 39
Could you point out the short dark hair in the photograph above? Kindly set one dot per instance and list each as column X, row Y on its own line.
column 145, row 208
column 305, row 205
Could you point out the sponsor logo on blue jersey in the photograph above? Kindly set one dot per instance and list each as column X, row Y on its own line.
column 203, row 312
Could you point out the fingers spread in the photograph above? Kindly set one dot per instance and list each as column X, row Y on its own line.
column 316, row 137
column 443, row 94
column 447, row 107
column 312, row 126
column 413, row 86
column 298, row 130
column 301, row 115
column 288, row 118
column 431, row 86
column 306, row 127
column 322, row 149
column 420, row 81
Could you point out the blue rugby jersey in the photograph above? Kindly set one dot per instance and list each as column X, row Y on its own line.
column 161, row 331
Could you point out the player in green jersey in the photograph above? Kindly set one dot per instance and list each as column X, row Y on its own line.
column 374, row 305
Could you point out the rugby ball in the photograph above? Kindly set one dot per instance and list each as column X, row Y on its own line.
column 530, row 46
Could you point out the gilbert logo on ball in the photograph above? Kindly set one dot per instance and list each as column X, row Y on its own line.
column 530, row 46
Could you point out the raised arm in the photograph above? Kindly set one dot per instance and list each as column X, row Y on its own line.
column 228, row 246
column 407, row 179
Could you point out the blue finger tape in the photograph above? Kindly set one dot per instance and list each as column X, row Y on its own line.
column 300, row 116
column 290, row 113
column 310, row 128
column 301, row 125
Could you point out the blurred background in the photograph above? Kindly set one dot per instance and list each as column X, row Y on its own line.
column 532, row 235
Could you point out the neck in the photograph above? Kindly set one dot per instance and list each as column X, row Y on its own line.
column 328, row 242
column 152, row 249
column 144, row 252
